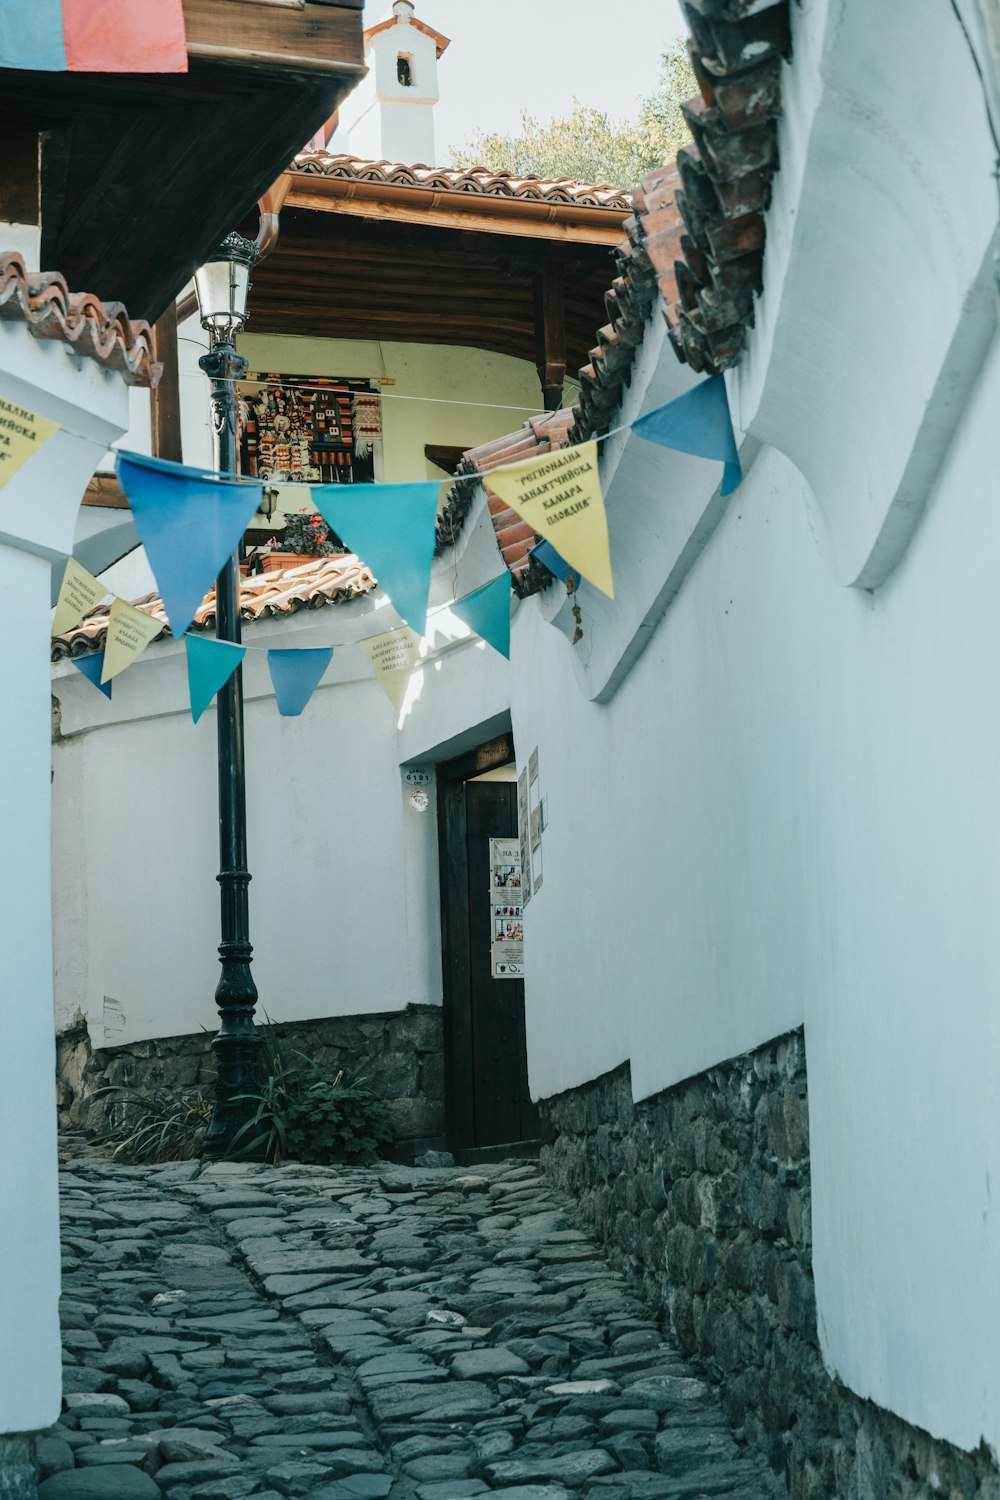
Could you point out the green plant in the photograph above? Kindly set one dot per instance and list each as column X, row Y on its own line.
column 158, row 1124
column 299, row 1113
column 337, row 1121
column 588, row 144
column 306, row 531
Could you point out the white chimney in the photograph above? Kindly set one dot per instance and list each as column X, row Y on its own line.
column 390, row 115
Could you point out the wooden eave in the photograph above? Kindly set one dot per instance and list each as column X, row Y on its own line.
column 526, row 218
column 142, row 176
column 376, row 277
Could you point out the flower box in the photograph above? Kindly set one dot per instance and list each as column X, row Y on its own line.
column 274, row 562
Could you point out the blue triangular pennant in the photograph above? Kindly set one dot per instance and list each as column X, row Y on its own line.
column 189, row 521
column 295, row 675
column 210, row 665
column 697, row 422
column 92, row 666
column 557, row 566
column 487, row 612
column 391, row 528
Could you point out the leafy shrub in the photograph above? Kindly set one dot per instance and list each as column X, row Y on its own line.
column 294, row 1112
column 301, row 1114
column 151, row 1125
column 336, row 1122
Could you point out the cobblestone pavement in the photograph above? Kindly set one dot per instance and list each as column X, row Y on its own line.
column 352, row 1334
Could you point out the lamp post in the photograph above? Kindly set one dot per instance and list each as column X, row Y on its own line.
column 222, row 285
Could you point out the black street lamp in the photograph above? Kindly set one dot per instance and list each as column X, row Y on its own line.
column 222, row 285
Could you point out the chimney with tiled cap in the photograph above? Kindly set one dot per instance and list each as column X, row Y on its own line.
column 390, row 116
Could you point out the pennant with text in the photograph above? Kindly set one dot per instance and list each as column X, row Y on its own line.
column 393, row 657
column 78, row 593
column 210, row 665
column 391, row 528
column 487, row 612
column 190, row 522
column 22, row 433
column 130, row 631
column 699, row 423
column 92, row 666
column 295, row 675
column 559, row 495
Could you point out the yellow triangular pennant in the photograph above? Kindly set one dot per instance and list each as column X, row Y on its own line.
column 393, row 657
column 130, row 631
column 559, row 495
column 22, row 433
column 79, row 592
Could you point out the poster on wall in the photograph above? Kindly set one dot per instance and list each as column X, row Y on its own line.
column 506, row 910
column 536, row 823
column 309, row 429
column 522, row 830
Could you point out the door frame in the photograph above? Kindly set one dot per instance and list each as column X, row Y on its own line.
column 456, row 982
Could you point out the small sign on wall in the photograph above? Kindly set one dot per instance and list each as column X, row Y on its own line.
column 506, row 910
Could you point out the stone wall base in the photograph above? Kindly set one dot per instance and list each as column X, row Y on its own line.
column 397, row 1054
column 702, row 1195
column 18, row 1469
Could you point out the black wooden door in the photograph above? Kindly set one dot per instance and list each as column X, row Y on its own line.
column 485, row 1056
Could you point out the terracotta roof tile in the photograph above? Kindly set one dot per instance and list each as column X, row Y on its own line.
column 737, row 49
column 477, row 180
column 326, row 580
column 101, row 331
column 516, row 539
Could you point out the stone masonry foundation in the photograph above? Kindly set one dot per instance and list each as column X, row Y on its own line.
column 702, row 1194
column 18, row 1469
column 397, row 1054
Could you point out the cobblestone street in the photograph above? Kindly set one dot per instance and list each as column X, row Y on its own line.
column 351, row 1334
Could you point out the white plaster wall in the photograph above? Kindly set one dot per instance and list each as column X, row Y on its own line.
column 22, row 239
column 38, row 510
column 677, row 808
column 901, row 1000
column 29, row 1235
column 344, row 904
column 788, row 813
column 325, row 831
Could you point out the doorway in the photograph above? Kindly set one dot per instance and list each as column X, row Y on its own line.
column 490, row 1113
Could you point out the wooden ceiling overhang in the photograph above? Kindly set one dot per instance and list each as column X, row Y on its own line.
column 140, row 177
column 375, row 260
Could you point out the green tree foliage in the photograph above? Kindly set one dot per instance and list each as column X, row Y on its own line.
column 591, row 147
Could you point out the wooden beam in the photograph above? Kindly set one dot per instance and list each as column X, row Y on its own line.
column 445, row 456
column 19, row 203
column 104, row 491
column 165, row 409
column 309, row 37
column 550, row 335
column 462, row 211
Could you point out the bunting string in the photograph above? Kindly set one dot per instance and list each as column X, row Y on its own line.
column 190, row 520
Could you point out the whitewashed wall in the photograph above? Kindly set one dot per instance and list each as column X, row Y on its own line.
column 789, row 803
column 38, row 508
column 344, row 898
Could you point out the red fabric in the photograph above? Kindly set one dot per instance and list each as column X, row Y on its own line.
column 124, row 36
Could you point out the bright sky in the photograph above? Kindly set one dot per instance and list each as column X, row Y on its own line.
column 538, row 55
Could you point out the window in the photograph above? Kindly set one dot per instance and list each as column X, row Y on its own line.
column 404, row 70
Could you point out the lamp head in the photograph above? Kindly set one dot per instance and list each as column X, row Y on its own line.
column 222, row 285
